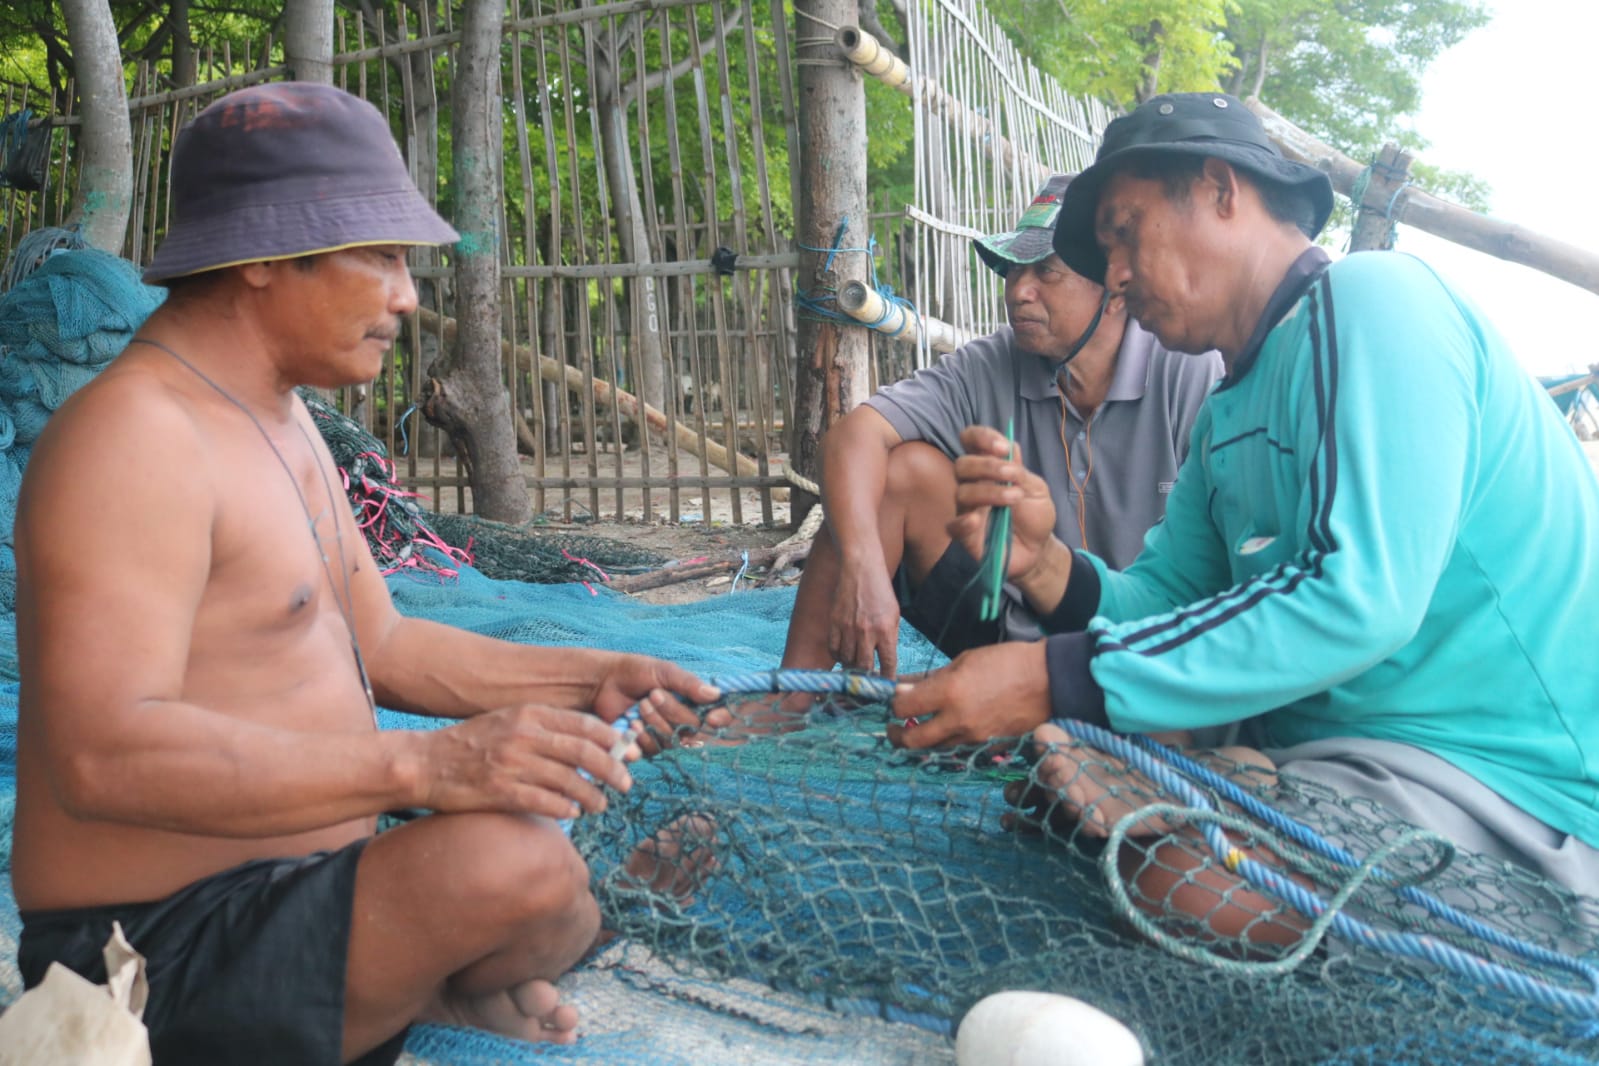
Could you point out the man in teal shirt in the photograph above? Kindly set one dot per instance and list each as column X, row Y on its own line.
column 1384, row 544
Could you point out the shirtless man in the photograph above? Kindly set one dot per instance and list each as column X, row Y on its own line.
column 203, row 634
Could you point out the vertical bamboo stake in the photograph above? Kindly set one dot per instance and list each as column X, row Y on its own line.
column 729, row 385
column 753, row 364
column 655, row 305
column 582, row 309
column 685, row 245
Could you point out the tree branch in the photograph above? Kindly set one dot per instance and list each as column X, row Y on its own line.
column 1260, row 66
column 659, row 78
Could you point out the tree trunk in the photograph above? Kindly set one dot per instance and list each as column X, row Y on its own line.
column 308, row 39
column 105, row 173
column 467, row 398
column 183, row 58
column 831, row 368
column 1152, row 40
column 622, row 177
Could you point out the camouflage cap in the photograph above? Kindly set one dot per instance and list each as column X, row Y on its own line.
column 1030, row 240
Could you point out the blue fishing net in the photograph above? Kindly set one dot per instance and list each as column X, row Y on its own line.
column 59, row 326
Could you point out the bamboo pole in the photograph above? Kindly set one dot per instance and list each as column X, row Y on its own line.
column 872, row 58
column 868, row 307
column 1441, row 218
column 605, row 394
column 1575, row 386
column 1374, row 221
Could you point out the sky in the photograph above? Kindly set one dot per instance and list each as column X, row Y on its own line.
column 1513, row 105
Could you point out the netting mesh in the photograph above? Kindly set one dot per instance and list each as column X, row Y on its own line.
column 63, row 318
column 877, row 880
column 399, row 531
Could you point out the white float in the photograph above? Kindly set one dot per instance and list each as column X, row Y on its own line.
column 1042, row 1029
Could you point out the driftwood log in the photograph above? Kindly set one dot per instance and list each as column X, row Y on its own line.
column 672, row 575
column 1441, row 218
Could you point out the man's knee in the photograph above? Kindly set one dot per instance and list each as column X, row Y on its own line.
column 519, row 869
column 920, row 500
column 919, row 472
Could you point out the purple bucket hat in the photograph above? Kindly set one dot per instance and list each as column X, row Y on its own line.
column 284, row 170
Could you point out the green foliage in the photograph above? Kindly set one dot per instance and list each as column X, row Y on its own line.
column 1121, row 50
column 1350, row 74
column 1346, row 72
column 35, row 52
column 33, row 35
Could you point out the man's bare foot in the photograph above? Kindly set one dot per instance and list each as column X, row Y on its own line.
column 1097, row 789
column 676, row 861
column 530, row 1011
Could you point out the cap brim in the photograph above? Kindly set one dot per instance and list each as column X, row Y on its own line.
column 262, row 232
column 1075, row 242
column 1001, row 251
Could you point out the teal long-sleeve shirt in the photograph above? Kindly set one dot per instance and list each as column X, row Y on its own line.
column 1383, row 529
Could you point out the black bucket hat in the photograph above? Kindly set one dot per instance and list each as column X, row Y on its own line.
column 1203, row 124
column 284, row 170
column 1031, row 239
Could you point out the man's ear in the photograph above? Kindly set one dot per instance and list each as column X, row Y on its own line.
column 257, row 275
column 1218, row 185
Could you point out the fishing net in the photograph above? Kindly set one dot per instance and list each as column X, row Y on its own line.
column 24, row 150
column 880, row 881
column 403, row 535
column 61, row 322
column 34, row 248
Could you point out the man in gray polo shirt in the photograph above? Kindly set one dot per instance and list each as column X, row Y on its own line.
column 1102, row 413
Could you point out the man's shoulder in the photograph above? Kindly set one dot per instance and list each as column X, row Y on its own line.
column 121, row 416
column 972, row 363
column 1379, row 274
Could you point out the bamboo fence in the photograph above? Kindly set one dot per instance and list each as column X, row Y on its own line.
column 706, row 108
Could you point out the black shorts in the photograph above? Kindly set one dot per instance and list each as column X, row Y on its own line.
column 944, row 607
column 245, row 967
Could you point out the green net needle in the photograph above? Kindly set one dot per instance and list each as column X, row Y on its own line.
column 996, row 548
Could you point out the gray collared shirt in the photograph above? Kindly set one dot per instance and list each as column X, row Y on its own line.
column 1109, row 474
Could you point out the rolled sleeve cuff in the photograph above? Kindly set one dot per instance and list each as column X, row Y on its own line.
column 1073, row 692
column 1080, row 602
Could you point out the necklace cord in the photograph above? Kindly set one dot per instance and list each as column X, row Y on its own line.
column 347, row 604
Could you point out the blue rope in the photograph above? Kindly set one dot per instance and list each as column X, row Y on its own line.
column 405, row 442
column 742, row 570
column 1162, row 766
column 820, row 305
